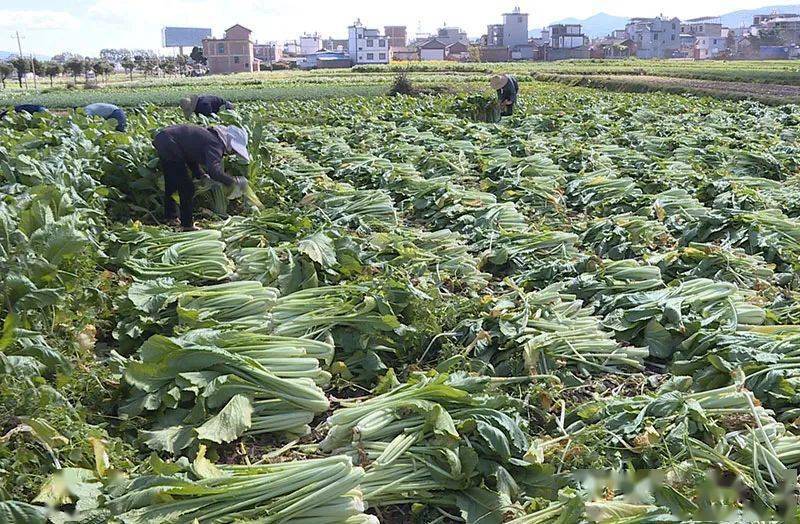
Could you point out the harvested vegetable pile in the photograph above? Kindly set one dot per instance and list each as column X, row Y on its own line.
column 585, row 313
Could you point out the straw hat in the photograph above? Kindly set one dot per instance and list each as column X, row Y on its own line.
column 188, row 105
column 235, row 139
column 498, row 81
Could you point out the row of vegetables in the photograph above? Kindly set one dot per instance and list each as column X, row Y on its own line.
column 585, row 313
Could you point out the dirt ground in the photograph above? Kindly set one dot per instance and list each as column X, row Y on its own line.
column 769, row 93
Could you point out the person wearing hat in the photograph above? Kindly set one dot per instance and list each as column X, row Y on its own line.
column 507, row 89
column 108, row 112
column 186, row 148
column 203, row 105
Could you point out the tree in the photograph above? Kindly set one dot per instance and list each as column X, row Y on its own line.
column 5, row 71
column 128, row 65
column 150, row 66
column 197, row 56
column 52, row 69
column 22, row 65
column 169, row 66
column 66, row 56
column 107, row 68
column 75, row 66
column 140, row 60
column 98, row 68
column 181, row 62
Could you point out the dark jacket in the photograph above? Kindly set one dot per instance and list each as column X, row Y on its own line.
column 30, row 108
column 195, row 146
column 208, row 105
column 509, row 91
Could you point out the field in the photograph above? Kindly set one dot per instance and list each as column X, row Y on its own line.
column 585, row 313
column 758, row 80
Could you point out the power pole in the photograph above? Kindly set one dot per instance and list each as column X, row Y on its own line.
column 22, row 57
column 33, row 69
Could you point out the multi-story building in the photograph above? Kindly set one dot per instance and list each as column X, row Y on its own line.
column 397, row 35
column 567, row 41
column 512, row 35
column 702, row 27
column 567, row 36
column 655, row 37
column 706, row 47
column 762, row 19
column 515, row 28
column 335, row 44
column 231, row 54
column 786, row 27
column 451, row 35
column 310, row 44
column 367, row 46
column 268, row 52
column 494, row 35
column 291, row 48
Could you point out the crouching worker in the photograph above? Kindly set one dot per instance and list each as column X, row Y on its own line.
column 26, row 108
column 108, row 112
column 206, row 105
column 199, row 150
column 507, row 89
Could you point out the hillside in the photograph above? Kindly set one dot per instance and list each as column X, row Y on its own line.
column 595, row 26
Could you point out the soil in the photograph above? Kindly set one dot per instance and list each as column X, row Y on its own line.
column 767, row 93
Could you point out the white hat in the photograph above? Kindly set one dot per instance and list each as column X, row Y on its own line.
column 236, row 140
column 498, row 81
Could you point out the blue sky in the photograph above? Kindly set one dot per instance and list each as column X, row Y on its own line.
column 86, row 26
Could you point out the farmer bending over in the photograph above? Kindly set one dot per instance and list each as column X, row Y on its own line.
column 206, row 105
column 26, row 108
column 507, row 89
column 109, row 112
column 186, row 148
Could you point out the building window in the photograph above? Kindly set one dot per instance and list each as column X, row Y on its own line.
column 519, row 19
column 382, row 56
column 381, row 43
column 370, row 43
column 221, row 48
column 370, row 56
column 673, row 37
column 360, row 48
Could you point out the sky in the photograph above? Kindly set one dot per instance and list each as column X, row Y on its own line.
column 86, row 26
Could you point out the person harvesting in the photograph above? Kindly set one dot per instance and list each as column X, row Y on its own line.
column 507, row 89
column 108, row 112
column 186, row 148
column 205, row 105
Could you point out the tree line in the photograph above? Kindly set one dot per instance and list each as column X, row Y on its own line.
column 144, row 62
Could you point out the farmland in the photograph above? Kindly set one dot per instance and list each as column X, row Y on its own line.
column 431, row 319
column 771, row 82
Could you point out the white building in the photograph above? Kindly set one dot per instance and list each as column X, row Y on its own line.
column 515, row 29
column 655, row 37
column 567, row 36
column 310, row 44
column 367, row 46
column 706, row 47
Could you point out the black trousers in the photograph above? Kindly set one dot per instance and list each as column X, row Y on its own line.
column 178, row 180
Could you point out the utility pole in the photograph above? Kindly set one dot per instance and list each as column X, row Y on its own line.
column 22, row 57
column 33, row 69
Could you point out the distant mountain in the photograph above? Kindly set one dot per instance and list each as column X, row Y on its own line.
column 595, row 26
column 745, row 17
column 5, row 55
